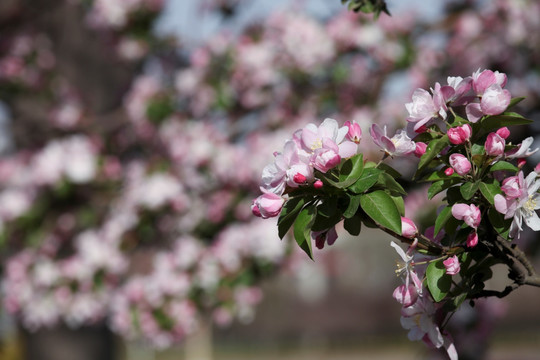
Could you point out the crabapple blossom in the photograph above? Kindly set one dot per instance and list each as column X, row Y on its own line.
column 460, row 164
column 355, row 132
column 468, row 213
column 400, row 144
column 268, row 205
column 460, row 134
column 523, row 150
column 494, row 145
column 452, row 265
column 521, row 208
column 503, row 132
column 495, row 100
column 448, row 171
column 408, row 228
column 472, row 239
column 425, row 107
column 420, row 149
column 482, row 80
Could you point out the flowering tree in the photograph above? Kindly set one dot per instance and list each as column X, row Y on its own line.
column 458, row 131
column 128, row 166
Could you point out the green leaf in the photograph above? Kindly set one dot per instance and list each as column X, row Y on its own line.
column 350, row 171
column 302, row 229
column 328, row 206
column 489, row 189
column 503, row 165
column 354, row 203
column 434, row 148
column 288, row 214
column 442, row 218
column 390, row 170
column 366, row 181
column 400, row 204
column 390, row 184
column 327, row 215
column 380, row 207
column 439, row 175
column 441, row 185
column 468, row 189
column 438, row 282
column 498, row 121
column 515, row 101
column 353, row 225
column 453, row 195
column 501, row 226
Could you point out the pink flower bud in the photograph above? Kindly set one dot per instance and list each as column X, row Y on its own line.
column 408, row 228
column 495, row 100
column 406, row 296
column 299, row 178
column 503, row 132
column 318, row 184
column 422, row 129
column 355, row 132
column 470, row 214
column 494, row 145
column 449, row 171
column 472, row 239
column 452, row 265
column 460, row 164
column 521, row 162
column 255, row 209
column 537, row 168
column 510, row 186
column 420, row 149
column 269, row 205
column 460, row 134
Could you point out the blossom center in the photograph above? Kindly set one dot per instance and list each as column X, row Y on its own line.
column 530, row 204
column 317, row 144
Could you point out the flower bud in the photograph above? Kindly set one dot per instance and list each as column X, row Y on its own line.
column 355, row 132
column 503, row 132
column 449, row 171
column 408, row 228
column 420, row 149
column 472, row 239
column 494, row 145
column 299, row 178
column 255, row 209
column 269, row 205
column 452, row 265
column 537, row 168
column 460, row 164
column 495, row 100
column 318, row 184
column 521, row 162
column 510, row 187
column 460, row 134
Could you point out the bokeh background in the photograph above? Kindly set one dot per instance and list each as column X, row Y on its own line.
column 133, row 134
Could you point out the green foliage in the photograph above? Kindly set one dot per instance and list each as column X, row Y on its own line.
column 302, row 229
column 380, row 207
column 438, row 282
column 288, row 214
column 367, row 6
column 369, row 177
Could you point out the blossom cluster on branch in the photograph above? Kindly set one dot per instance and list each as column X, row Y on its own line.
column 459, row 132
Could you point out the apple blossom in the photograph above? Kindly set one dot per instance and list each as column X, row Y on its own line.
column 460, row 164
column 408, row 228
column 472, row 239
column 448, row 171
column 420, row 149
column 523, row 150
column 495, row 100
column 494, row 145
column 452, row 265
column 268, row 205
column 503, row 132
column 468, row 213
column 400, row 144
column 460, row 134
column 355, row 132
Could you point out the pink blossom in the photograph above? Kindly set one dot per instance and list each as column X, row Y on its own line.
column 355, row 132
column 318, row 184
column 400, row 144
column 523, row 150
column 408, row 228
column 460, row 134
column 468, row 213
column 448, row 171
column 472, row 239
column 521, row 162
column 269, row 205
column 483, row 80
column 460, row 164
column 513, row 187
column 537, row 168
column 495, row 100
column 474, row 112
column 420, row 149
column 406, row 295
column 314, row 138
column 503, row 132
column 327, row 157
column 452, row 265
column 422, row 108
column 494, row 145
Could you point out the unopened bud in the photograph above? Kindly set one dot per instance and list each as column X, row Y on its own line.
column 299, row 178
column 318, row 184
column 449, row 171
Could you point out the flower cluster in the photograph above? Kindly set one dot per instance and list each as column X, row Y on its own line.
column 465, row 155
